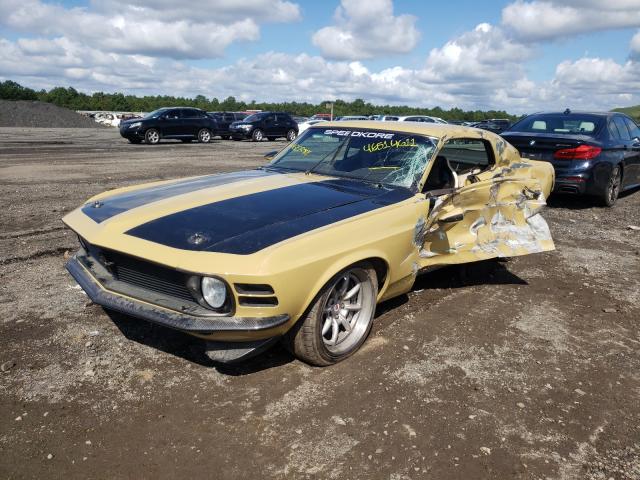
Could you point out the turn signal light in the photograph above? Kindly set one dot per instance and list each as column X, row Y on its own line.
column 583, row 152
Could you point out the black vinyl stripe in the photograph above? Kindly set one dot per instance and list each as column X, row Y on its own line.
column 247, row 224
column 111, row 206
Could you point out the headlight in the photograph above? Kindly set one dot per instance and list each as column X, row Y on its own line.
column 245, row 127
column 135, row 124
column 214, row 291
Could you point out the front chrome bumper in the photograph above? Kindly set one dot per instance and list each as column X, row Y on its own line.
column 167, row 317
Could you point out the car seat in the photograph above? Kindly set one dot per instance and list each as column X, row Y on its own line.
column 441, row 175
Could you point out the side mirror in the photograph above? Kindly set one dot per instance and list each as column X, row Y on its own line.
column 270, row 155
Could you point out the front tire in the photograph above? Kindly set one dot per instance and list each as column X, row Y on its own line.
column 339, row 320
column 204, row 135
column 152, row 136
column 612, row 191
column 257, row 135
column 291, row 135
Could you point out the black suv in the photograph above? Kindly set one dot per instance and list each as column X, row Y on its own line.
column 224, row 121
column 182, row 123
column 495, row 125
column 263, row 125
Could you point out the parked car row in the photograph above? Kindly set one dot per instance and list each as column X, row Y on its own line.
column 188, row 124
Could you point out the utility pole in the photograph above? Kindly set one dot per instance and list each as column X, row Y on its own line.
column 329, row 106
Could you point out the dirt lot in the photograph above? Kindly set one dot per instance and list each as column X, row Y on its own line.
column 527, row 369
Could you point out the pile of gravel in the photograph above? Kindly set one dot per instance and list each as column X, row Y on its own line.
column 26, row 113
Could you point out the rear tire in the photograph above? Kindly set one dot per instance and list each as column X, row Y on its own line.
column 610, row 195
column 257, row 135
column 291, row 135
column 204, row 135
column 339, row 320
column 152, row 136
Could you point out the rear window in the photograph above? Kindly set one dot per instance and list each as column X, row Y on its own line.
column 571, row 124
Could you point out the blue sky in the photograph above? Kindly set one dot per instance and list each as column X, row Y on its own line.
column 519, row 55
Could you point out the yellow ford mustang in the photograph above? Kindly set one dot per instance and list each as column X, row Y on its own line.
column 304, row 248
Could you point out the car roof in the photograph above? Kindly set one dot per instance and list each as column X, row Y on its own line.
column 579, row 112
column 429, row 129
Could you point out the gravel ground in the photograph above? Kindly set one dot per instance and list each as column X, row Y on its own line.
column 26, row 113
column 526, row 369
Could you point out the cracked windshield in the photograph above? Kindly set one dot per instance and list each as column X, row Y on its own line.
column 395, row 159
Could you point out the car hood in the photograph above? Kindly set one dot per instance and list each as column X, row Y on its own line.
column 236, row 213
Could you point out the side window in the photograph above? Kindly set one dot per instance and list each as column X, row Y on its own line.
column 173, row 114
column 622, row 128
column 613, row 130
column 634, row 130
column 466, row 155
column 228, row 117
column 188, row 113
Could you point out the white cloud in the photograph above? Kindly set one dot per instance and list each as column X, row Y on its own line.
column 367, row 30
column 446, row 79
column 204, row 11
column 545, row 20
column 480, row 55
column 203, row 29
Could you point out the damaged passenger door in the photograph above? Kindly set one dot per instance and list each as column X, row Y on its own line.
column 487, row 213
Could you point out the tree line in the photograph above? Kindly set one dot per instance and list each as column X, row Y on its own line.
column 71, row 98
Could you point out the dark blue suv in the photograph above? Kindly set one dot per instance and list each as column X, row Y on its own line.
column 263, row 125
column 180, row 123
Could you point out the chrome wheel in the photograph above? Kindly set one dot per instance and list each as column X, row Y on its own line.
column 347, row 311
column 204, row 136
column 340, row 318
column 257, row 136
column 152, row 136
column 291, row 135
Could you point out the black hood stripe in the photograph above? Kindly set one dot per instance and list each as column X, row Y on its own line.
column 247, row 224
column 111, row 206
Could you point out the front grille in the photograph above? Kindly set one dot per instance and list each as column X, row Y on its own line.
column 148, row 281
column 148, row 275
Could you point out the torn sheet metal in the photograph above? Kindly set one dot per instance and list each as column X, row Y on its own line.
column 509, row 224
